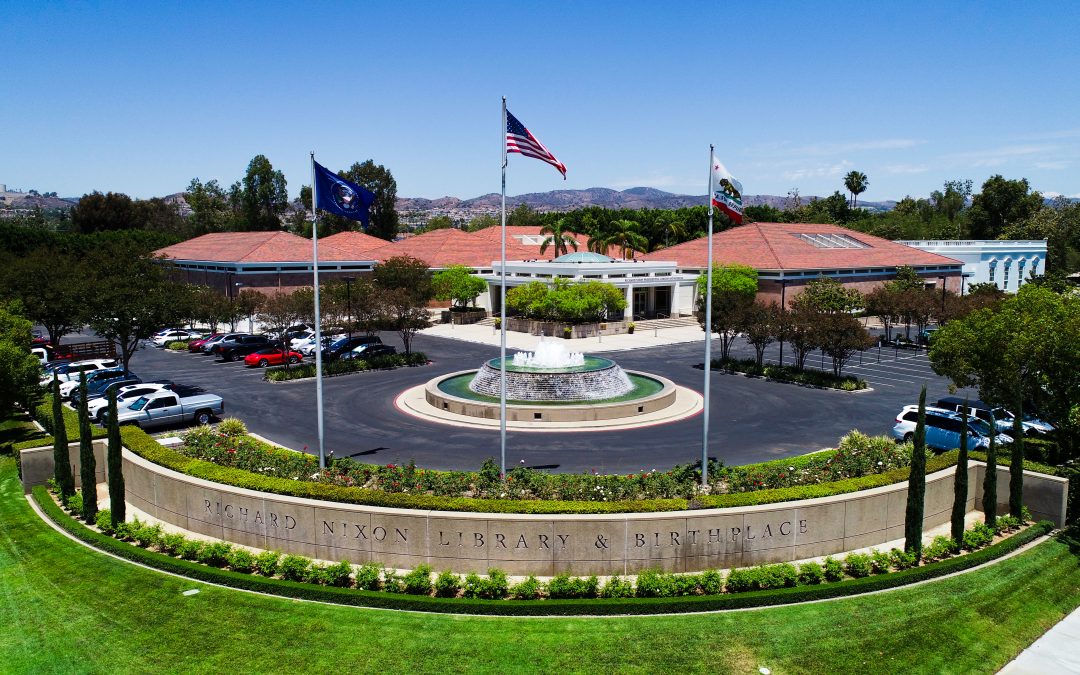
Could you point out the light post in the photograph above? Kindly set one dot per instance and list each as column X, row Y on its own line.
column 783, row 313
column 348, row 300
column 942, row 300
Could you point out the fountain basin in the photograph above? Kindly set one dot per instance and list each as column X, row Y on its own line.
column 649, row 393
column 591, row 379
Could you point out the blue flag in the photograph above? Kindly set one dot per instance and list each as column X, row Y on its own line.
column 336, row 195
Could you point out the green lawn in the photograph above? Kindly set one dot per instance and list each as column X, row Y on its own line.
column 64, row 608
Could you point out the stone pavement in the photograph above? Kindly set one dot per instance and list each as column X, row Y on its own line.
column 1058, row 651
column 640, row 339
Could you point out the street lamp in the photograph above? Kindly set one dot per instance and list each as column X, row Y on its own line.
column 348, row 300
column 783, row 310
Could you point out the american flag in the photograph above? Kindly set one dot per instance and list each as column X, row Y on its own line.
column 520, row 140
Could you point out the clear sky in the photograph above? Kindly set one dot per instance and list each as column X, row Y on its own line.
column 141, row 97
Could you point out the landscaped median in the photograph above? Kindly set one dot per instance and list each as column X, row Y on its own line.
column 809, row 378
column 653, row 592
column 332, row 368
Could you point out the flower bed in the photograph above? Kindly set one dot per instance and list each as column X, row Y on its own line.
column 858, row 455
column 331, row 368
column 652, row 592
column 813, row 378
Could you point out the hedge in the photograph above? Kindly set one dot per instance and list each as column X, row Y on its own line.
column 43, row 414
column 811, row 378
column 384, row 600
column 331, row 368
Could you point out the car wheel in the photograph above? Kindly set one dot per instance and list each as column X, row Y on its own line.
column 228, row 358
column 908, row 437
column 263, row 363
column 202, row 417
column 293, row 359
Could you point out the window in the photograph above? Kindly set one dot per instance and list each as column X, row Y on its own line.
column 993, row 270
column 831, row 240
column 911, row 417
column 1005, row 277
column 156, row 404
column 1035, row 266
column 1020, row 272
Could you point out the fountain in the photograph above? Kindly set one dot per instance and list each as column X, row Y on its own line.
column 552, row 373
column 549, row 354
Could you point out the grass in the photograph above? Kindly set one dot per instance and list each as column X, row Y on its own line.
column 17, row 428
column 65, row 608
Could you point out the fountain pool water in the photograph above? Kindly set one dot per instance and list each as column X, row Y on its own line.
column 552, row 373
column 549, row 354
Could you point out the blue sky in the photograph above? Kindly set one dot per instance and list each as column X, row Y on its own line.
column 142, row 97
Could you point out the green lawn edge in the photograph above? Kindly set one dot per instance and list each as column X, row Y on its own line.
column 597, row 607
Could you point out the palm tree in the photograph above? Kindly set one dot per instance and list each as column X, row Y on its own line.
column 626, row 234
column 856, row 182
column 559, row 235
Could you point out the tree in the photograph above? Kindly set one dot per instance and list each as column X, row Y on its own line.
column 733, row 290
column 916, row 495
column 264, row 196
column 884, row 303
column 457, row 284
column 763, row 327
column 132, row 297
column 247, row 302
column 626, row 234
column 383, row 217
column 799, row 329
column 405, row 284
column 210, row 210
column 560, row 235
column 117, row 502
column 523, row 214
column 856, row 182
column 989, row 500
column 53, row 290
column 951, row 201
column 19, row 371
column 405, row 315
column 960, row 481
column 829, row 296
column 65, row 481
column 281, row 310
column 87, row 463
column 98, row 212
column 438, row 223
column 1001, row 203
column 841, row 336
column 482, row 222
column 1059, row 225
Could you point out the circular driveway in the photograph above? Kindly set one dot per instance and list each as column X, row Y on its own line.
column 751, row 419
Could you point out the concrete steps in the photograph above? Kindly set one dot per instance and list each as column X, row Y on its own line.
column 660, row 324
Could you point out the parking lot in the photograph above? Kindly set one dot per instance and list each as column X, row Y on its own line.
column 751, row 419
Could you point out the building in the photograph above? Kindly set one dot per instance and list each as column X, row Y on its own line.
column 1005, row 263
column 659, row 284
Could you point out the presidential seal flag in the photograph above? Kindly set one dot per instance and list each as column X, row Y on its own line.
column 336, row 195
column 726, row 192
column 520, row 140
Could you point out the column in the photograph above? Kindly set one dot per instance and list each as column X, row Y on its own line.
column 675, row 309
column 628, row 313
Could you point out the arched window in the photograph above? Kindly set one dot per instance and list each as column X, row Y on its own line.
column 1020, row 272
column 1005, row 276
column 1035, row 266
column 993, row 270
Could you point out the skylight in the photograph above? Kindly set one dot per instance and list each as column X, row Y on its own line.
column 832, row 240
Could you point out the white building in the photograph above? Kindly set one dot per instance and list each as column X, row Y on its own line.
column 1004, row 262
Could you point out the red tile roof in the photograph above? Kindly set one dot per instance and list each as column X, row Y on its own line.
column 355, row 243
column 776, row 246
column 251, row 247
column 442, row 248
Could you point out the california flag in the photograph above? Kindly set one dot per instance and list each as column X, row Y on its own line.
column 727, row 192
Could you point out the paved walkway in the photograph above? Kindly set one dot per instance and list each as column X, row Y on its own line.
column 605, row 343
column 1058, row 651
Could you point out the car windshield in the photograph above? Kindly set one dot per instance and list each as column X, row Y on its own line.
column 1001, row 414
column 140, row 403
column 979, row 426
column 338, row 343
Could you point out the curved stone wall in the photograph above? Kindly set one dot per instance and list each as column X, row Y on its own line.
column 535, row 544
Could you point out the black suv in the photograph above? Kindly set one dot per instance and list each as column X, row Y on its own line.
column 347, row 344
column 369, row 351
column 240, row 346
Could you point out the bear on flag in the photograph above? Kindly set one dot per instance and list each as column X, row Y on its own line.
column 726, row 192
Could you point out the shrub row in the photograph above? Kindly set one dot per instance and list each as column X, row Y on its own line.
column 331, row 368
column 655, row 592
column 43, row 414
column 813, row 378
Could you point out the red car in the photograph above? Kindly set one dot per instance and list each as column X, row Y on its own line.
column 272, row 356
column 194, row 345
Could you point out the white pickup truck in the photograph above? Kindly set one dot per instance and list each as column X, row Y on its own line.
column 164, row 408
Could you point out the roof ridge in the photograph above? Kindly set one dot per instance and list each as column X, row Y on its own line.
column 768, row 245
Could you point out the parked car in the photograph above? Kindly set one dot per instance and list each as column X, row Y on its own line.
column 125, row 396
column 308, row 347
column 347, row 344
column 943, row 429
column 165, row 408
column 102, row 388
column 42, row 354
column 1003, row 418
column 368, row 351
column 165, row 338
column 67, row 389
column 71, row 370
column 208, row 346
column 195, row 345
column 272, row 356
column 231, row 350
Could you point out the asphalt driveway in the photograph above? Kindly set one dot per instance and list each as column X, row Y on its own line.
column 751, row 419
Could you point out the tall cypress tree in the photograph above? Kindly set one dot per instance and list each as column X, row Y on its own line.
column 1016, row 464
column 916, row 496
column 61, row 459
column 989, row 502
column 117, row 503
column 87, row 463
column 960, row 481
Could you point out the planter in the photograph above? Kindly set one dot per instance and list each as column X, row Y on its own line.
column 558, row 328
column 466, row 317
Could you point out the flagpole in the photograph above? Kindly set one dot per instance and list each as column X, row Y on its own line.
column 502, row 306
column 708, row 336
column 318, row 323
